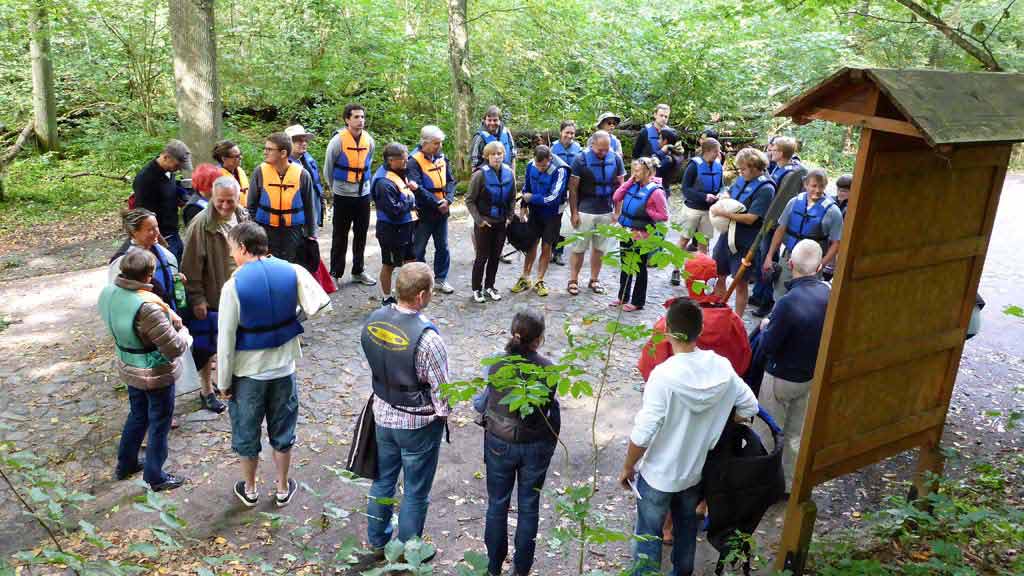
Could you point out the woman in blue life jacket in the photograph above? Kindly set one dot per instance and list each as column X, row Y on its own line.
column 492, row 191
column 517, row 449
column 638, row 205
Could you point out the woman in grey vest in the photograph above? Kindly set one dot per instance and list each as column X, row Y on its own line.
column 515, row 446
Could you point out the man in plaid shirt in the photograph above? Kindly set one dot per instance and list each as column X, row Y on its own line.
column 409, row 362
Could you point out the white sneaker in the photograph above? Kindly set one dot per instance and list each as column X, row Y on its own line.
column 364, row 279
column 445, row 288
column 478, row 296
column 493, row 293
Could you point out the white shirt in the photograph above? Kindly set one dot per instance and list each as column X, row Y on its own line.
column 686, row 403
column 268, row 363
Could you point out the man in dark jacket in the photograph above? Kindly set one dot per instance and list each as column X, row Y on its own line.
column 790, row 343
column 156, row 190
column 394, row 196
column 647, row 139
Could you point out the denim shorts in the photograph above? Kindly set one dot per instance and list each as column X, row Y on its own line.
column 253, row 400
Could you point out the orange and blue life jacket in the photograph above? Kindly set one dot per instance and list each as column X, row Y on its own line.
column 243, row 183
column 354, row 161
column 407, row 199
column 434, row 171
column 280, row 198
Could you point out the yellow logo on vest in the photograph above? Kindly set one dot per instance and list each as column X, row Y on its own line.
column 387, row 335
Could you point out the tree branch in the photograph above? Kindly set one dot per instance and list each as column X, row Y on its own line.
column 495, row 11
column 1003, row 16
column 961, row 38
column 123, row 178
column 13, row 151
column 31, row 511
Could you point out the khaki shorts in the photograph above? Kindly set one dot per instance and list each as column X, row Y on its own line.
column 588, row 223
column 692, row 221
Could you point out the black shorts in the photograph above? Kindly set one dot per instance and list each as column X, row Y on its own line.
column 547, row 229
column 395, row 256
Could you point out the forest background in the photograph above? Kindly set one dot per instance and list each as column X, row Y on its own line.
column 720, row 63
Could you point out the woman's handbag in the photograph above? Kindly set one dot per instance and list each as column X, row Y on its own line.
column 362, row 456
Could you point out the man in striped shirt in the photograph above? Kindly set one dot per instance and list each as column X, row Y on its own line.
column 409, row 363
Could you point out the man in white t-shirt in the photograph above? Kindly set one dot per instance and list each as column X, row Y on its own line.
column 686, row 403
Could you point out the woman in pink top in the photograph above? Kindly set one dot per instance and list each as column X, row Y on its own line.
column 640, row 202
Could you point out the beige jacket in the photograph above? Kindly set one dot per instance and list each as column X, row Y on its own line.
column 206, row 262
column 154, row 327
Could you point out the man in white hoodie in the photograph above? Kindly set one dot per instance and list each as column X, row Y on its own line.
column 686, row 403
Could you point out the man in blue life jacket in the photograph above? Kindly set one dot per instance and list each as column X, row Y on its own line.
column 281, row 199
column 595, row 176
column 429, row 169
column 395, row 198
column 257, row 345
column 349, row 170
column 150, row 342
column 647, row 139
column 785, row 161
column 543, row 199
column 809, row 215
column 789, row 341
column 408, row 363
column 300, row 155
column 702, row 181
column 567, row 149
column 491, row 130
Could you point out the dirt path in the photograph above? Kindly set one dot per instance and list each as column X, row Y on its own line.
column 62, row 399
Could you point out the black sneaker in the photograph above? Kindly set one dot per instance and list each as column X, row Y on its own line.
column 212, row 403
column 284, row 500
column 676, row 278
column 170, row 483
column 120, row 474
column 249, row 500
column 388, row 300
column 558, row 259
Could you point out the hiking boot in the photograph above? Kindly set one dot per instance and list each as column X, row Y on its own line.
column 557, row 258
column 120, row 474
column 250, row 499
column 212, row 403
column 522, row 285
column 540, row 288
column 478, row 296
column 493, row 294
column 677, row 278
column 444, row 287
column 170, row 483
column 364, row 279
column 283, row 498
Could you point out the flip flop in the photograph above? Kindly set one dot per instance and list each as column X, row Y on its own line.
column 573, row 288
column 596, row 287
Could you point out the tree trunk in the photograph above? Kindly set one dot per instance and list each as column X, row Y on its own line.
column 43, row 102
column 195, row 75
column 462, row 91
column 979, row 51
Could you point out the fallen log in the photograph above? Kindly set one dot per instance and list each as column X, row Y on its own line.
column 123, row 178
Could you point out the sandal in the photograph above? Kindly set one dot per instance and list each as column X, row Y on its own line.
column 596, row 286
column 630, row 308
column 573, row 288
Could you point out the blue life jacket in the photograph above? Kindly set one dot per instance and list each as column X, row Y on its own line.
column 204, row 332
column 806, row 221
column 615, row 144
column 653, row 136
column 634, row 206
column 408, row 200
column 314, row 171
column 709, row 174
column 539, row 184
column 268, row 297
column 163, row 276
column 603, row 172
column 505, row 139
column 567, row 155
column 746, row 194
column 499, row 189
column 780, row 171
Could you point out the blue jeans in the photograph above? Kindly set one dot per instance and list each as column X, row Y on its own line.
column 438, row 230
column 414, row 454
column 651, row 509
column 505, row 463
column 149, row 412
column 253, row 400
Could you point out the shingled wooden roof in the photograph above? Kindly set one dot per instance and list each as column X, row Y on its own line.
column 940, row 106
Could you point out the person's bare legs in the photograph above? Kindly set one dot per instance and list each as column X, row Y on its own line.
column 205, row 380
column 249, row 473
column 385, row 279
column 531, row 254
column 576, row 264
column 282, row 461
column 595, row 264
column 742, row 292
column 545, row 259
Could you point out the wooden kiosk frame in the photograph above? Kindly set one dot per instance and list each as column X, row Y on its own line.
column 934, row 150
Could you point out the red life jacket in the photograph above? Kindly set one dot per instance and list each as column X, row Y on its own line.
column 723, row 333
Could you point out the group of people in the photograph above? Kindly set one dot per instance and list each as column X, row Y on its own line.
column 236, row 301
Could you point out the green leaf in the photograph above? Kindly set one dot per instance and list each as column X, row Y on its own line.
column 393, row 550
column 144, row 548
column 1012, row 310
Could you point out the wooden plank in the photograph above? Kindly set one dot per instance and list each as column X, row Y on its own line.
column 823, row 475
column 918, row 257
column 866, row 121
column 895, row 353
column 851, row 449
